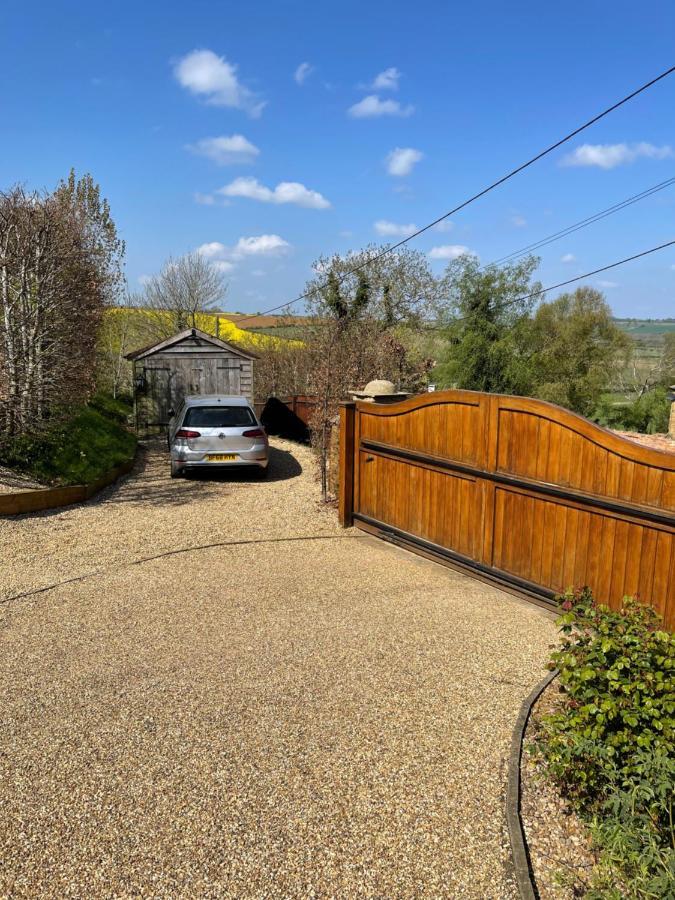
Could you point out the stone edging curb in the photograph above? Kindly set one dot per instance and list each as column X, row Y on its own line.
column 527, row 887
column 50, row 498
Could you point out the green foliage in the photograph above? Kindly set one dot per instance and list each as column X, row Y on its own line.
column 489, row 308
column 575, row 349
column 635, row 833
column 75, row 449
column 648, row 414
column 342, row 308
column 401, row 285
column 610, row 744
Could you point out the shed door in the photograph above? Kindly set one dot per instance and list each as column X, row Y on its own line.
column 228, row 377
column 159, row 390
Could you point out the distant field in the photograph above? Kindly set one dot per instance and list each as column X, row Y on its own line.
column 647, row 331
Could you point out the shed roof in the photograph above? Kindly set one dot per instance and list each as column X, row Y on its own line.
column 186, row 335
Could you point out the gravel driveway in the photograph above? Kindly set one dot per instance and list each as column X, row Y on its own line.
column 299, row 711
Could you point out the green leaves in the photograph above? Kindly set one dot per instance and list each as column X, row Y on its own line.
column 610, row 744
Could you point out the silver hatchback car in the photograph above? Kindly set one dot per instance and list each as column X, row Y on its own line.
column 210, row 431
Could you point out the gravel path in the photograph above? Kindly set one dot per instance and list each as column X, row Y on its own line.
column 324, row 717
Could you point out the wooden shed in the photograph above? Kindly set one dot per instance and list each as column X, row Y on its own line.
column 190, row 362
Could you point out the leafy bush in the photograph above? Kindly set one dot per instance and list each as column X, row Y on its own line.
column 76, row 449
column 610, row 743
column 648, row 414
column 635, row 832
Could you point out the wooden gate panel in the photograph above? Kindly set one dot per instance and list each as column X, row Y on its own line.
column 538, row 444
column 441, row 507
column 454, row 430
column 531, row 494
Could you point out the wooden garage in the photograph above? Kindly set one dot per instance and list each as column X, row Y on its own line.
column 190, row 362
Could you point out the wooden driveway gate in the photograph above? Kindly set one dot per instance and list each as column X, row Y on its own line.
column 517, row 490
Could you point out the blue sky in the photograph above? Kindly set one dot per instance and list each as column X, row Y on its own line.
column 203, row 132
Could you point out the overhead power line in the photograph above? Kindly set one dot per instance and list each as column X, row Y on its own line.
column 553, row 287
column 477, row 196
column 617, row 207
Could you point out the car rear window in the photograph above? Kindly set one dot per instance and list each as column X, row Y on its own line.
column 218, row 416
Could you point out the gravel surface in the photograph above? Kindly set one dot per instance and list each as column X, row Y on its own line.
column 558, row 841
column 325, row 717
column 655, row 441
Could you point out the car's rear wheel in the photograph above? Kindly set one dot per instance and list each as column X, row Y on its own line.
column 176, row 470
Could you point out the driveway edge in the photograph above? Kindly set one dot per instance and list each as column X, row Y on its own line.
column 14, row 504
column 520, row 854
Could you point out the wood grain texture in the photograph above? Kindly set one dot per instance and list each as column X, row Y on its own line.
column 523, row 487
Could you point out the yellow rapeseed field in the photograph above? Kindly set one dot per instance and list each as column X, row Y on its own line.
column 143, row 322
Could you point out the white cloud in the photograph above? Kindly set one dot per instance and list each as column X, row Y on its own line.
column 371, row 107
column 387, row 80
column 568, row 258
column 519, row 221
column 391, row 229
column 607, row 284
column 608, row 156
column 284, row 192
column 303, row 72
column 445, row 225
column 223, row 257
column 211, row 77
column 205, row 199
column 226, row 151
column 402, row 159
column 262, row 245
column 222, row 265
column 212, row 250
column 450, row 251
column 144, row 279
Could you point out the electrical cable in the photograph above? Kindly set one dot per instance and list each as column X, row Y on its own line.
column 478, row 195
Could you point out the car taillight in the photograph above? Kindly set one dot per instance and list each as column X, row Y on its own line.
column 254, row 432
column 187, row 434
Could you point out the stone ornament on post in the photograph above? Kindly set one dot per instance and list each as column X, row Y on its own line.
column 379, row 391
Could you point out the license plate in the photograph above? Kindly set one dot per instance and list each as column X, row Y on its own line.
column 221, row 457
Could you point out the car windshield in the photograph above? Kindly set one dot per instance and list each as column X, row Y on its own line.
column 218, row 417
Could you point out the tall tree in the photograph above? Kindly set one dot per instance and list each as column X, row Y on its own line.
column 60, row 264
column 576, row 350
column 184, row 287
column 401, row 287
column 483, row 311
column 352, row 338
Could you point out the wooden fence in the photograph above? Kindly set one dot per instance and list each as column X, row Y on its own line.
column 516, row 490
column 302, row 406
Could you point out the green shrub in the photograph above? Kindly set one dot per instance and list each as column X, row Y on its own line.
column 635, row 833
column 648, row 414
column 610, row 742
column 75, row 449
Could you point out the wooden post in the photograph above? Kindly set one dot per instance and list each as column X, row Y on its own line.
column 347, row 462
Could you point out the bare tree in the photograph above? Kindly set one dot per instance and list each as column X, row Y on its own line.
column 351, row 342
column 60, row 263
column 184, row 287
column 401, row 287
